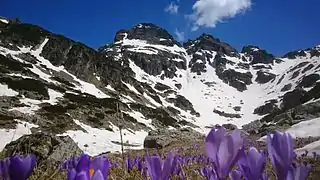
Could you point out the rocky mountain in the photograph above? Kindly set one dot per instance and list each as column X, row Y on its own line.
column 148, row 85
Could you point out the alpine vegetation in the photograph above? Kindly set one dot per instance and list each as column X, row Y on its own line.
column 227, row 156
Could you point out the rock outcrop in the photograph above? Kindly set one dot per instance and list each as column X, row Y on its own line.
column 163, row 137
column 50, row 150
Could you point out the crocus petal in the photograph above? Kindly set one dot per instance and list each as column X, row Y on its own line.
column 98, row 176
column 129, row 164
column 72, row 174
column 82, row 175
column 84, row 163
column 204, row 172
column 174, row 169
column 70, row 164
column 230, row 150
column 154, row 164
column 281, row 152
column 265, row 176
column 167, row 167
column 144, row 172
column 213, row 141
column 252, row 164
column 102, row 164
column 257, row 161
column 21, row 167
column 235, row 175
column 139, row 165
column 4, row 168
column 208, row 173
column 299, row 173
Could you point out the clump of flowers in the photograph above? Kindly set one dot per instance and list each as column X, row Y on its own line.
column 226, row 157
column 17, row 167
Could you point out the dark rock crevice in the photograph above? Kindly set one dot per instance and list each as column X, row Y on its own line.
column 224, row 114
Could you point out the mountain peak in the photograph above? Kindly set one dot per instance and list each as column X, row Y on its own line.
column 4, row 20
column 314, row 52
column 250, row 49
column 208, row 42
column 205, row 36
column 147, row 25
column 317, row 47
column 259, row 55
column 149, row 32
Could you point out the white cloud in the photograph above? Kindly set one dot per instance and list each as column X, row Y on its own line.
column 207, row 13
column 180, row 35
column 172, row 8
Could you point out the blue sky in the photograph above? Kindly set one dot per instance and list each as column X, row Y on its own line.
column 275, row 25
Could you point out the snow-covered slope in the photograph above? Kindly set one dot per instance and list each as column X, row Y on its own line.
column 66, row 88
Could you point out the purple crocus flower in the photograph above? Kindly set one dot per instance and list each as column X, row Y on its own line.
column 115, row 165
column 97, row 169
column 224, row 150
column 208, row 173
column 101, row 164
column 300, row 172
column 139, row 164
column 281, row 152
column 252, row 164
column 175, row 167
column 181, row 172
column 74, row 175
column 144, row 172
column 84, row 175
column 154, row 165
column 21, row 167
column 130, row 164
column 83, row 164
column 235, row 175
column 4, row 168
column 98, row 175
column 159, row 170
column 81, row 171
column 70, row 164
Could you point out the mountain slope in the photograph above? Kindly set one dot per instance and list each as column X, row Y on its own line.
column 63, row 87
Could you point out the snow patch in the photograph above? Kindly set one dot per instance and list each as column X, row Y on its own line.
column 199, row 61
column 98, row 77
column 177, row 60
column 71, row 92
column 137, row 43
column 4, row 21
column 151, row 100
column 33, row 105
column 127, row 99
column 9, row 135
column 131, row 88
column 6, row 91
column 90, row 89
column 305, row 128
column 110, row 87
column 312, row 147
column 20, row 75
column 100, row 140
column 143, row 50
column 140, row 118
column 84, row 87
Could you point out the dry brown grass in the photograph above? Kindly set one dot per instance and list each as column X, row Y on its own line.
column 183, row 148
